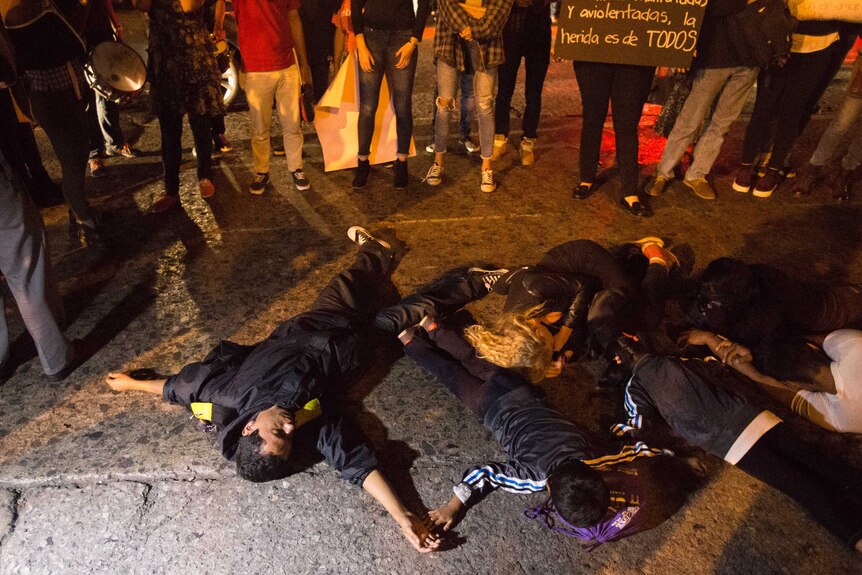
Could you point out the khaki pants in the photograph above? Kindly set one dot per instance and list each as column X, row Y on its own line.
column 260, row 89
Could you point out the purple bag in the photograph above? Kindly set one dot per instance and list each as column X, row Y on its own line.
column 622, row 524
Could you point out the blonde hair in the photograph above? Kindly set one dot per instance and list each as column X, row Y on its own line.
column 511, row 342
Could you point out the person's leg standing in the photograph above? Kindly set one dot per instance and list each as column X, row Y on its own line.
column 25, row 263
column 594, row 83
column 706, row 86
column 537, row 58
column 95, row 137
column 484, row 90
column 513, row 32
column 629, row 93
column 260, row 90
column 447, row 87
column 171, row 127
column 467, row 101
column 109, row 122
column 401, row 87
column 844, row 121
column 369, row 90
column 730, row 103
column 201, row 126
column 61, row 114
column 288, row 89
column 802, row 83
column 400, row 82
column 770, row 86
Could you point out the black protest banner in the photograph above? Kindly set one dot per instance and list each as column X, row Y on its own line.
column 644, row 32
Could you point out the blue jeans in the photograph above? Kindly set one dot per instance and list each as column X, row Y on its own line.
column 383, row 44
column 467, row 103
column 484, row 92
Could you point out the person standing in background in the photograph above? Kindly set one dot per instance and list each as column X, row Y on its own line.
column 527, row 35
column 184, row 80
column 466, row 33
column 274, row 68
column 387, row 35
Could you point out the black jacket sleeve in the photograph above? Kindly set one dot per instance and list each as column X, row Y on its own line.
column 188, row 386
column 345, row 448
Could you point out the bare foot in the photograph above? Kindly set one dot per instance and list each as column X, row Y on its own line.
column 120, row 381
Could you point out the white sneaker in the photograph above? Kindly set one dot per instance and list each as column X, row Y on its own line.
column 434, row 175
column 488, row 183
column 430, row 148
column 527, row 156
column 469, row 145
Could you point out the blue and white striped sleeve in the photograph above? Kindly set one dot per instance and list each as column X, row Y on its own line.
column 479, row 481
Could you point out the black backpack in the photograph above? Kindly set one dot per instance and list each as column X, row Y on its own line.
column 761, row 32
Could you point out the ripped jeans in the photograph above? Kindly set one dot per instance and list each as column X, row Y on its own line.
column 484, row 91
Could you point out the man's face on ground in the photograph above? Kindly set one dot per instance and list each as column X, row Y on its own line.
column 275, row 427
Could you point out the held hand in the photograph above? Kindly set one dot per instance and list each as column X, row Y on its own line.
column 466, row 34
column 404, row 55
column 219, row 34
column 732, row 353
column 366, row 60
column 417, row 533
column 446, row 516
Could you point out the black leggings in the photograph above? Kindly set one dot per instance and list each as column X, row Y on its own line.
column 526, row 35
column 626, row 88
column 823, row 486
column 172, row 148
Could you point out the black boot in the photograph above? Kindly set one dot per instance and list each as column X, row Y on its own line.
column 400, row 171
column 361, row 176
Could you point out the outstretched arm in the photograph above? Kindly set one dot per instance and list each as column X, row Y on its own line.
column 124, row 382
column 412, row 527
column 739, row 358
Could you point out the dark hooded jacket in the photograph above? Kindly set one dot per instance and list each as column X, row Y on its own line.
column 311, row 356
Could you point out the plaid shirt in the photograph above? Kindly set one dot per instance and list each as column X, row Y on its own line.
column 487, row 31
column 59, row 78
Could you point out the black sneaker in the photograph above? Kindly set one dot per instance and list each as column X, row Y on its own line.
column 767, row 184
column 278, row 151
column 361, row 236
column 488, row 277
column 259, row 184
column 300, row 182
column 400, row 175
column 363, row 168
